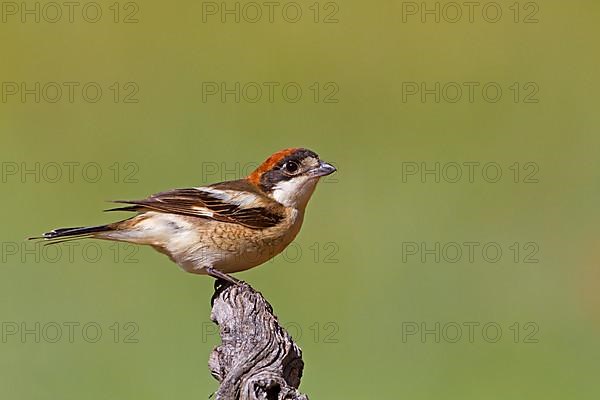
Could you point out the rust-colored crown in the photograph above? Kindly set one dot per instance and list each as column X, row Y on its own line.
column 269, row 163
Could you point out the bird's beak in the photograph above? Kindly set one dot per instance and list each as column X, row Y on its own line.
column 323, row 169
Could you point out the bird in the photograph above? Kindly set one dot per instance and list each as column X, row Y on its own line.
column 222, row 228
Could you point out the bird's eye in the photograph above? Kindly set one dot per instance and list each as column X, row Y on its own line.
column 291, row 167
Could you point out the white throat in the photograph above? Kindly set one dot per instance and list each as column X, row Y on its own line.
column 295, row 192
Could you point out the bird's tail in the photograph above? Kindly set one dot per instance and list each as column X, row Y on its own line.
column 63, row 234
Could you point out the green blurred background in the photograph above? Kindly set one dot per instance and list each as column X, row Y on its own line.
column 348, row 289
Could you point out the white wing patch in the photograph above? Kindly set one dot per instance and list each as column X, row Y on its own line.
column 242, row 199
column 203, row 211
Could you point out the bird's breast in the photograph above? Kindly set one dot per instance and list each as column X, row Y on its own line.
column 195, row 243
column 233, row 248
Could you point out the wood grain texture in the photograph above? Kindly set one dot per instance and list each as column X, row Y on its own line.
column 257, row 358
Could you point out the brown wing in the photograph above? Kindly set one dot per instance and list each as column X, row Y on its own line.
column 234, row 206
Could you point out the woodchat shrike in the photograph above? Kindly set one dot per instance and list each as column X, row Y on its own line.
column 222, row 228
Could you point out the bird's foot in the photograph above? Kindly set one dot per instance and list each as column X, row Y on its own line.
column 219, row 275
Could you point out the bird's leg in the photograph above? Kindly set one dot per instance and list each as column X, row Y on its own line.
column 215, row 273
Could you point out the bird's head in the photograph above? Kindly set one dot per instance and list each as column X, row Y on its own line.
column 290, row 176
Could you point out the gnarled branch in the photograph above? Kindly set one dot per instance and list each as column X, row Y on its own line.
column 257, row 358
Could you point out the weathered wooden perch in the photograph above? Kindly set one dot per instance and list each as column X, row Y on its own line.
column 257, row 358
